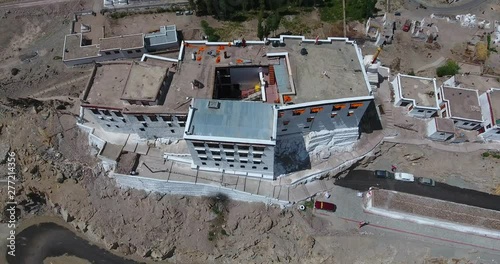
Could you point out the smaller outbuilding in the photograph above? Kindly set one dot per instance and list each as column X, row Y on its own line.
column 440, row 129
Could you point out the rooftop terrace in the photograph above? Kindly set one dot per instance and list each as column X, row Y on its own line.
column 481, row 83
column 464, row 103
column 422, row 90
column 75, row 50
column 115, row 81
column 122, row 42
column 232, row 119
column 494, row 96
column 444, row 125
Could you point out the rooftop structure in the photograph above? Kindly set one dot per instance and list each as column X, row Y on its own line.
column 79, row 48
column 331, row 70
column 233, row 120
column 494, row 97
column 444, row 125
column 166, row 35
column 73, row 48
column 463, row 103
column 422, row 90
column 481, row 83
column 126, row 42
column 116, row 84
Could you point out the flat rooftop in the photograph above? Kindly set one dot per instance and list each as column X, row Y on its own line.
column 232, row 119
column 444, row 125
column 328, row 71
column 130, row 80
column 463, row 103
column 73, row 48
column 122, row 42
column 422, row 90
column 167, row 34
column 480, row 83
column 495, row 105
column 109, row 81
column 144, row 82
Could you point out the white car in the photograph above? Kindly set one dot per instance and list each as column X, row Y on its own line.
column 402, row 176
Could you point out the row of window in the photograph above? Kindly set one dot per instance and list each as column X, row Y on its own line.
column 228, row 146
column 232, row 166
column 118, row 52
column 315, row 110
column 106, row 112
column 229, row 154
column 231, row 160
column 166, row 118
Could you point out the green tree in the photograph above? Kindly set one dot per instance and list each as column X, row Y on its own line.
column 273, row 23
column 260, row 28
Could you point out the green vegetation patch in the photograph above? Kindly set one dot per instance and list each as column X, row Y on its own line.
column 450, row 68
column 354, row 10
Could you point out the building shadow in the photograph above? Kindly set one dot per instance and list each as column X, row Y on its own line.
column 290, row 155
column 370, row 120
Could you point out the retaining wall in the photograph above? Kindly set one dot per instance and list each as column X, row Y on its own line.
column 192, row 189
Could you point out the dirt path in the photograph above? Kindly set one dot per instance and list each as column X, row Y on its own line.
column 31, row 3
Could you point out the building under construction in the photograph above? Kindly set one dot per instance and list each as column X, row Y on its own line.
column 231, row 101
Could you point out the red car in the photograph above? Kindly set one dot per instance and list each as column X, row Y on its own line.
column 325, row 206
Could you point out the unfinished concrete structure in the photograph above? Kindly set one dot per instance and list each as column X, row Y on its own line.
column 419, row 95
column 234, row 136
column 440, row 129
column 130, row 97
column 490, row 104
column 317, row 89
column 462, row 106
column 380, row 30
column 80, row 49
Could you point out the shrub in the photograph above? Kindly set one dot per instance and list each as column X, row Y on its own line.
column 485, row 154
column 14, row 71
column 450, row 68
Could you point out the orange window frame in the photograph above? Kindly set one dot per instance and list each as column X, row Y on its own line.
column 316, row 110
column 355, row 105
column 338, row 106
column 298, row 112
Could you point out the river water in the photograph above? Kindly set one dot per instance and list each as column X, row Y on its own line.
column 37, row 242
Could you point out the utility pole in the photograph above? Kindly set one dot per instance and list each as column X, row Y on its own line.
column 388, row 6
column 343, row 7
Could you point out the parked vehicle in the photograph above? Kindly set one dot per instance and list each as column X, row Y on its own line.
column 407, row 25
column 188, row 13
column 426, row 181
column 384, row 174
column 402, row 176
column 178, row 13
column 397, row 14
column 325, row 206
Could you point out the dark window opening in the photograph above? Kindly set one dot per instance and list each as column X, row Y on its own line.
column 166, row 118
column 261, row 149
column 117, row 51
column 203, row 158
column 283, row 130
column 231, row 165
column 243, row 147
column 310, row 119
column 142, row 129
column 107, row 53
column 182, row 118
column 229, row 154
column 254, row 167
column 129, row 51
column 243, row 161
column 173, row 131
column 117, row 126
column 153, row 118
column 242, row 166
column 138, row 50
column 108, row 125
column 118, row 114
column 203, row 163
column 95, row 111
column 144, row 125
column 213, row 145
column 265, row 168
column 106, row 112
column 217, row 164
column 244, row 155
column 199, row 144
column 140, row 118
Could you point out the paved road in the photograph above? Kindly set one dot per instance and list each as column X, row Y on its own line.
column 361, row 180
column 38, row 242
column 465, row 7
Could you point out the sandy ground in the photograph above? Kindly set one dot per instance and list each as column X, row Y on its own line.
column 65, row 260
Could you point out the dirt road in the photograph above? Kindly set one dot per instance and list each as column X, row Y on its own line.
column 31, row 3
